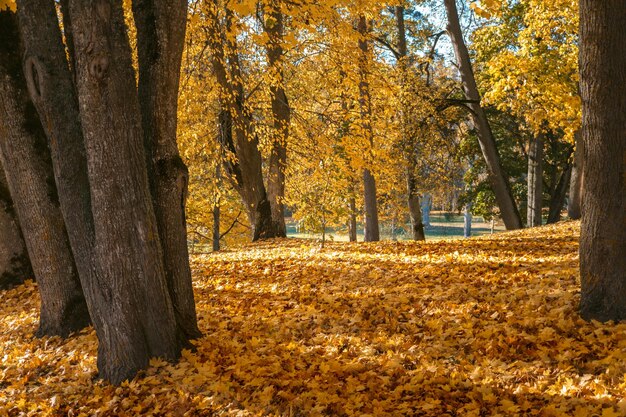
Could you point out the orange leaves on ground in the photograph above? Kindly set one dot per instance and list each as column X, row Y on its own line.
column 476, row 327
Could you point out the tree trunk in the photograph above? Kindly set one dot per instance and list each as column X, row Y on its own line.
column 557, row 200
column 161, row 28
column 467, row 221
column 217, row 211
column 415, row 210
column 575, row 189
column 140, row 322
column 427, row 203
column 415, row 213
column 26, row 161
column 14, row 262
column 240, row 144
column 352, row 225
column 603, row 228
column 372, row 228
column 281, row 113
column 497, row 178
column 535, row 181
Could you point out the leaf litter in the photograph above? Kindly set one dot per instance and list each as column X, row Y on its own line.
column 478, row 327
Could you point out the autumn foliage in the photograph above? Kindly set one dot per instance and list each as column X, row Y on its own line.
column 478, row 327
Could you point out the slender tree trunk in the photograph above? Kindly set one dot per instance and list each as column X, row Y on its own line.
column 14, row 262
column 372, row 228
column 415, row 210
column 497, row 178
column 217, row 211
column 427, row 203
column 26, row 160
column 603, row 228
column 467, row 221
column 557, row 200
column 575, row 190
column 161, row 28
column 535, row 181
column 127, row 247
column 415, row 213
column 281, row 113
column 352, row 224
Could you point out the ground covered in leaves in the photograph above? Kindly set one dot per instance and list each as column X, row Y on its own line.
column 475, row 327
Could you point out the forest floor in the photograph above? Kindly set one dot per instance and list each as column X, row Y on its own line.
column 478, row 327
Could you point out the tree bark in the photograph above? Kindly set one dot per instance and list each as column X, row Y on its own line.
column 557, row 200
column 243, row 161
column 499, row 183
column 217, row 211
column 535, row 181
column 603, row 227
column 575, row 190
column 372, row 229
column 26, row 160
column 14, row 262
column 281, row 113
column 413, row 200
column 352, row 224
column 161, row 28
column 467, row 221
column 140, row 322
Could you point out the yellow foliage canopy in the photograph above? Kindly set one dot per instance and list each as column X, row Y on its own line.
column 486, row 326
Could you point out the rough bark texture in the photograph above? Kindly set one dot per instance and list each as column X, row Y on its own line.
column 535, row 182
column 603, row 229
column 370, row 205
column 281, row 113
column 243, row 161
column 160, row 38
column 557, row 199
column 575, row 190
column 14, row 262
column 26, row 160
column 140, row 321
column 497, row 178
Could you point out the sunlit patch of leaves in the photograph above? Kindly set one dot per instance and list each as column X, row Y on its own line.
column 475, row 327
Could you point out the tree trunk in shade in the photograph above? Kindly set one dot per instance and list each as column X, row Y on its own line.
column 161, row 28
column 603, row 227
column 574, row 202
column 138, row 317
column 497, row 178
column 26, row 160
column 281, row 113
column 14, row 262
column 372, row 228
column 535, row 181
column 557, row 200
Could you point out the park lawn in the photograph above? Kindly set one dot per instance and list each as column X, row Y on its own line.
column 477, row 327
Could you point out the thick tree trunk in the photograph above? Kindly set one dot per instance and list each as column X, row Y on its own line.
column 370, row 206
column 576, row 182
column 281, row 113
column 161, row 28
column 26, row 160
column 603, row 229
column 14, row 262
column 497, row 178
column 557, row 200
column 141, row 322
column 535, row 181
column 244, row 163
